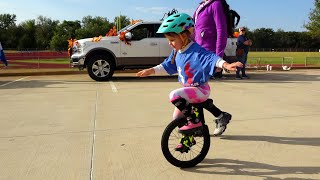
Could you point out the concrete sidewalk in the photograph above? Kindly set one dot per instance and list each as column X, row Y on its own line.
column 71, row 127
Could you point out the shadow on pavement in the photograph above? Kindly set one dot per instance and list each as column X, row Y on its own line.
column 254, row 78
column 38, row 84
column 247, row 168
column 306, row 141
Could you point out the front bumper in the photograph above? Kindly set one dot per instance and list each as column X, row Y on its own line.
column 77, row 61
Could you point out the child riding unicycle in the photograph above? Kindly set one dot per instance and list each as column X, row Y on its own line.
column 194, row 66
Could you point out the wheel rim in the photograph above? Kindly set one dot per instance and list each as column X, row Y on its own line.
column 101, row 68
column 194, row 151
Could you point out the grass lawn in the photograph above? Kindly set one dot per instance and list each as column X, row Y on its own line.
column 254, row 58
column 287, row 57
column 49, row 61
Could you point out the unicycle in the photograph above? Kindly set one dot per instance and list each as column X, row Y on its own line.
column 196, row 142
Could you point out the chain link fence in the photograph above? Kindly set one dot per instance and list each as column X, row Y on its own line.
column 263, row 62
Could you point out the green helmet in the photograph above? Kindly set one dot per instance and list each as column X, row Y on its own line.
column 176, row 23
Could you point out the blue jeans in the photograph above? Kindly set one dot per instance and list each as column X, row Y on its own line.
column 3, row 58
column 243, row 60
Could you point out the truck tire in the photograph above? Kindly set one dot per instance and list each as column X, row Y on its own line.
column 101, row 67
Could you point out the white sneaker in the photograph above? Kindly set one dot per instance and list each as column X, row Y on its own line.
column 221, row 124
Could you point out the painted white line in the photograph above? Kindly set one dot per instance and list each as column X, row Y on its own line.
column 14, row 81
column 94, row 136
column 113, row 87
column 315, row 90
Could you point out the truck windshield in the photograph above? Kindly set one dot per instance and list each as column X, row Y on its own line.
column 125, row 28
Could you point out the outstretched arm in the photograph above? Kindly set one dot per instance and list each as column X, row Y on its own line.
column 145, row 72
column 232, row 66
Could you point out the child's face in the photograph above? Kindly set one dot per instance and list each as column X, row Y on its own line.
column 175, row 41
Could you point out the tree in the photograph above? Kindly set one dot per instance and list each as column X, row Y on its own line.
column 45, row 28
column 27, row 36
column 262, row 38
column 7, row 20
column 314, row 20
column 93, row 26
column 124, row 21
column 7, row 27
column 63, row 32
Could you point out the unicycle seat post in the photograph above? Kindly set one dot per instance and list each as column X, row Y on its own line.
column 200, row 107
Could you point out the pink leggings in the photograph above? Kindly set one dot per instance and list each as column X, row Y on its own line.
column 190, row 94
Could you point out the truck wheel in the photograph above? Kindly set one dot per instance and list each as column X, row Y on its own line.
column 100, row 67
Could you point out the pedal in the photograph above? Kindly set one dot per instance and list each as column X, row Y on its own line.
column 183, row 150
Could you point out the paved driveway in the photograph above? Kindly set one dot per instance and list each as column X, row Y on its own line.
column 70, row 127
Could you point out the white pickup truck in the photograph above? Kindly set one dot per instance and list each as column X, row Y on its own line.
column 139, row 47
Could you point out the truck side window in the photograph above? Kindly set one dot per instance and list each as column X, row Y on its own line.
column 157, row 35
column 143, row 31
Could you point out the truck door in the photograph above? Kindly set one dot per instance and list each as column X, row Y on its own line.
column 144, row 47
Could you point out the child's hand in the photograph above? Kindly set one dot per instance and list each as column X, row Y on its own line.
column 145, row 72
column 233, row 66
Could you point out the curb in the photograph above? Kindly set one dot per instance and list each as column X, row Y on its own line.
column 39, row 73
column 43, row 72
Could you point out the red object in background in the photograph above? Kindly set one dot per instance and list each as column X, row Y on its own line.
column 236, row 34
column 36, row 55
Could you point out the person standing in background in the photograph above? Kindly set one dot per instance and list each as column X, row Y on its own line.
column 211, row 33
column 243, row 44
column 3, row 57
column 211, row 30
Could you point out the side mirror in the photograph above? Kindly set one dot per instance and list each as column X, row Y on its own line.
column 128, row 36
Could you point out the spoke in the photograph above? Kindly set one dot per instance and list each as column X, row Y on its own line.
column 106, row 65
column 176, row 134
column 194, row 150
column 94, row 67
column 95, row 72
column 99, row 63
column 106, row 70
column 179, row 155
column 197, row 145
column 102, row 74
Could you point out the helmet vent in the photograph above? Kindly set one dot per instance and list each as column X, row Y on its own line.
column 170, row 20
column 178, row 15
column 182, row 24
column 174, row 26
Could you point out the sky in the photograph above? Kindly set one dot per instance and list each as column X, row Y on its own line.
column 287, row 15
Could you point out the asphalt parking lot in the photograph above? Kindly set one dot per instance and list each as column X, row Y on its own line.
column 71, row 127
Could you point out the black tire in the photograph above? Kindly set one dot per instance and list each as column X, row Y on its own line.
column 168, row 152
column 101, row 67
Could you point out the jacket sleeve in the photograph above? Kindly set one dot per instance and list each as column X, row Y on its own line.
column 168, row 66
column 221, row 25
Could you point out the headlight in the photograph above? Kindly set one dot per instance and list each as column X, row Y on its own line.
column 78, row 47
